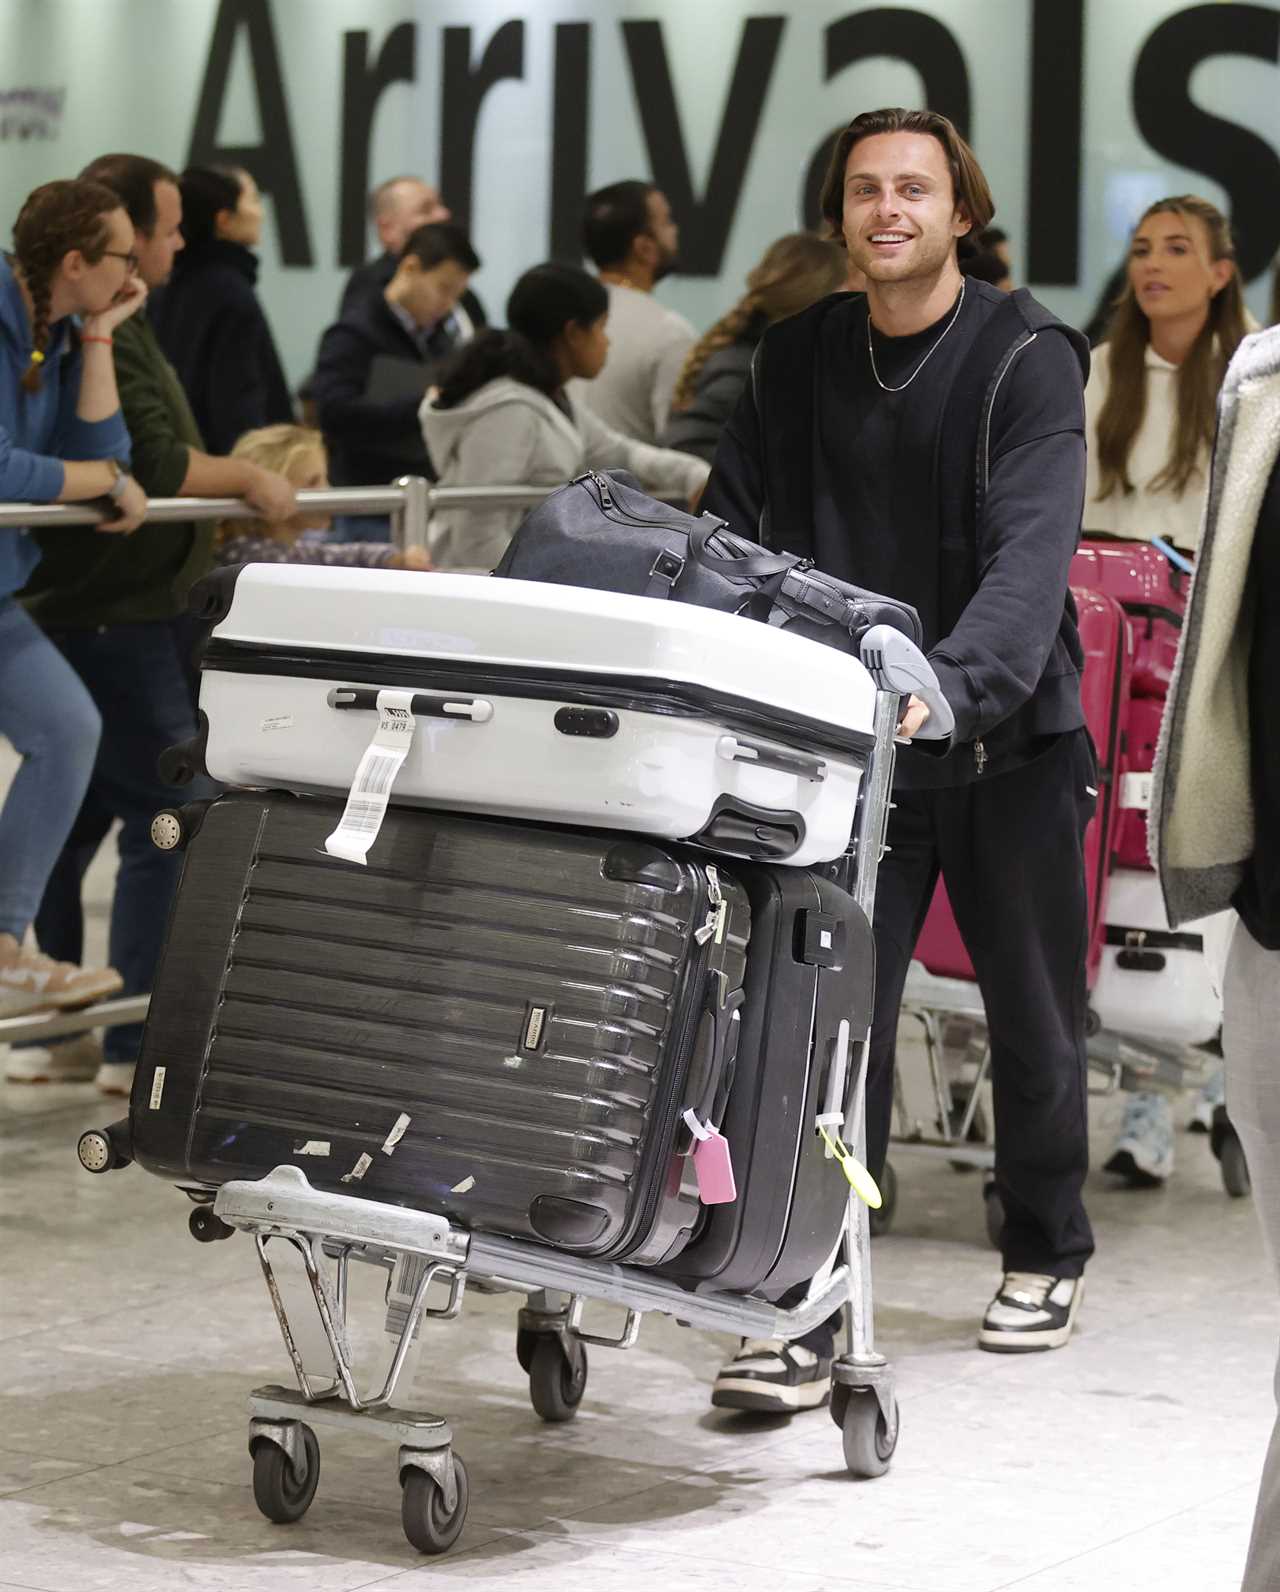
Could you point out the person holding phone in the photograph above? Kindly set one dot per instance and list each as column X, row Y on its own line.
column 68, row 284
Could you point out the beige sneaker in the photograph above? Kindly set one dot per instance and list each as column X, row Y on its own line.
column 31, row 982
column 75, row 1061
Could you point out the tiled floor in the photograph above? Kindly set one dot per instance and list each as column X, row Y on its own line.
column 1127, row 1462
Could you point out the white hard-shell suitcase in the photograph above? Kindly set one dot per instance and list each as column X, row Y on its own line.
column 1154, row 983
column 543, row 702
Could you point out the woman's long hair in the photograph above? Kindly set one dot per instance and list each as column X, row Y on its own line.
column 794, row 272
column 543, row 302
column 1199, row 376
column 57, row 218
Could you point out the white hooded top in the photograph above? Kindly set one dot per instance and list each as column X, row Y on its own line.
column 510, row 434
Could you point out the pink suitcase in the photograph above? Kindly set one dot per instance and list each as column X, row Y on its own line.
column 1153, row 594
column 1104, row 691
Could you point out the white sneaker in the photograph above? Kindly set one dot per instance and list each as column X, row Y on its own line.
column 1031, row 1312
column 115, row 1077
column 75, row 1061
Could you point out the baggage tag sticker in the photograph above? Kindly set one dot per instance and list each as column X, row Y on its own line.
column 370, row 791
column 712, row 1165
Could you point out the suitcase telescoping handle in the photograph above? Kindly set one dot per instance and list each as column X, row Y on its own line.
column 895, row 663
column 735, row 750
column 475, row 709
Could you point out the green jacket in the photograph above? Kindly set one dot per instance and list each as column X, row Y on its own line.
column 91, row 577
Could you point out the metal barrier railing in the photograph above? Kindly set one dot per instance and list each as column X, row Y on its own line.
column 410, row 503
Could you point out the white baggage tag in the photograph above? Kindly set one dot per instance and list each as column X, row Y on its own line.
column 1136, row 791
column 371, row 789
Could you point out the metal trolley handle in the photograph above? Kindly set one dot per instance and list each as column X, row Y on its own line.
column 476, row 709
column 895, row 663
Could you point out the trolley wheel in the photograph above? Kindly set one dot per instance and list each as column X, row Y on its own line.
column 879, row 1222
column 276, row 1490
column 429, row 1526
column 868, row 1446
column 994, row 1208
column 1235, row 1169
column 206, row 1226
column 557, row 1379
column 166, row 830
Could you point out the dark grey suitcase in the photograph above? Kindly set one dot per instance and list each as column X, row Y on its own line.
column 500, row 1022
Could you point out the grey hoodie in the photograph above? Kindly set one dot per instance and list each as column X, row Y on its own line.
column 509, row 434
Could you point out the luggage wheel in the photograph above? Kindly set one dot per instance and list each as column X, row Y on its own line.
column 865, row 1408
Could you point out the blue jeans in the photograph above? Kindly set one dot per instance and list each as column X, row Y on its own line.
column 361, row 528
column 139, row 678
column 50, row 718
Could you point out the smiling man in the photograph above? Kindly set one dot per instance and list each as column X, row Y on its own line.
column 927, row 440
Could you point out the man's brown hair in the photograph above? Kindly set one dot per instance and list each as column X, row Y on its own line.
column 973, row 196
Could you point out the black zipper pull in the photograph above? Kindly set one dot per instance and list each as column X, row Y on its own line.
column 980, row 755
column 602, row 486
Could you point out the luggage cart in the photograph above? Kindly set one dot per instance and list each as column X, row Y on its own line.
column 423, row 1252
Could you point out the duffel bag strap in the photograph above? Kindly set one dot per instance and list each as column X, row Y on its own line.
column 753, row 566
column 664, row 572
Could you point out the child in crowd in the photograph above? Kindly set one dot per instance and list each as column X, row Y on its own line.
column 298, row 453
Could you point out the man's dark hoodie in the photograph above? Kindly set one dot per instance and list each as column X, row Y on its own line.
column 961, row 492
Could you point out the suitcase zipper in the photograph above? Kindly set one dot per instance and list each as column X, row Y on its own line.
column 667, row 1110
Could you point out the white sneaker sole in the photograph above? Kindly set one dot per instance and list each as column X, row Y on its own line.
column 1032, row 1340
column 19, row 1074
column 747, row 1393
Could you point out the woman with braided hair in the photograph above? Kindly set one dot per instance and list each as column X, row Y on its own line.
column 68, row 283
column 795, row 272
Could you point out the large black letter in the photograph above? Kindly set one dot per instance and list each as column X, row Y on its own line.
column 1245, row 165
column 570, row 110
column 911, row 36
column 271, row 163
column 1053, row 172
column 361, row 91
column 460, row 100
column 704, row 224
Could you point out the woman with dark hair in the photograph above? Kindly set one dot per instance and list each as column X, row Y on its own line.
column 793, row 273
column 61, row 435
column 1153, row 386
column 208, row 318
column 500, row 416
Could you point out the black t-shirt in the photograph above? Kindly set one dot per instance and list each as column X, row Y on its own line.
column 1258, row 898
column 876, row 488
column 877, row 452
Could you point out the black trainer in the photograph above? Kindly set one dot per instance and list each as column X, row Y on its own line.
column 1031, row 1312
column 773, row 1376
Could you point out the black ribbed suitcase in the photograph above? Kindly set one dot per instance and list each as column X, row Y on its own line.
column 808, row 995
column 503, row 1023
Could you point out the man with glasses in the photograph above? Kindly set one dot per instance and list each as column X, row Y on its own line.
column 631, row 235
column 115, row 606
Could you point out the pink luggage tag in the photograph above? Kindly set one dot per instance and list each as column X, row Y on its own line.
column 712, row 1165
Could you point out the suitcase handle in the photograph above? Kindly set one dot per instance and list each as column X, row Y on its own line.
column 735, row 750
column 475, row 709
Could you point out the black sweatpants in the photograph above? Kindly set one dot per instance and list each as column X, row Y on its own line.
column 1011, row 850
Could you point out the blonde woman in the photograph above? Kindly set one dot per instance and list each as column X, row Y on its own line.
column 1153, row 386
column 794, row 272
column 298, row 453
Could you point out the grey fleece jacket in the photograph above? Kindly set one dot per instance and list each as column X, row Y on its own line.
column 510, row 434
column 1202, row 819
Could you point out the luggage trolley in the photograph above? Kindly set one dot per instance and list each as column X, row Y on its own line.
column 431, row 1262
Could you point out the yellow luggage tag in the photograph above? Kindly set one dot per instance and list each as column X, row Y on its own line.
column 860, row 1180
